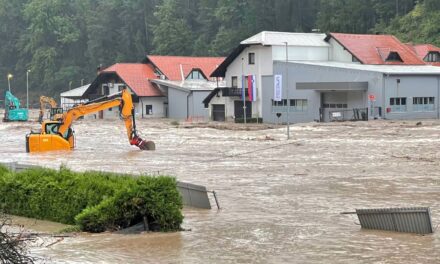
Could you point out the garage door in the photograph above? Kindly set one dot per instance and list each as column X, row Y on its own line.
column 218, row 112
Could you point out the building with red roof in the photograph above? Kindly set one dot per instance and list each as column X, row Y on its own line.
column 151, row 99
column 179, row 68
column 371, row 50
column 303, row 77
column 429, row 53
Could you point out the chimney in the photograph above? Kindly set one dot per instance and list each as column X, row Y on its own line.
column 99, row 69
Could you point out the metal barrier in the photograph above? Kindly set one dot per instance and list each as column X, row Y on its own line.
column 408, row 220
column 355, row 114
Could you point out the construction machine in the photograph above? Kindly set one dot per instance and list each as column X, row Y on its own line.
column 13, row 111
column 59, row 135
column 56, row 113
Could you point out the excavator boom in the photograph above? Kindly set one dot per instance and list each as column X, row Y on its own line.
column 58, row 135
column 56, row 113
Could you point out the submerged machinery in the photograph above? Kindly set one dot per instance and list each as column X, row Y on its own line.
column 58, row 134
column 13, row 110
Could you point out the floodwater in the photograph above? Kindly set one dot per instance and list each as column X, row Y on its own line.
column 281, row 199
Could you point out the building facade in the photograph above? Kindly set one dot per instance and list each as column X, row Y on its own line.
column 325, row 78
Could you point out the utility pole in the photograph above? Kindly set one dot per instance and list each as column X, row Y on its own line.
column 287, row 91
column 27, row 88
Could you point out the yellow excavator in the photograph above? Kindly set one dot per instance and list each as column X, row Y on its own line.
column 56, row 113
column 58, row 134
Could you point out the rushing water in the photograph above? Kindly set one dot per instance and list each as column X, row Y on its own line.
column 281, row 200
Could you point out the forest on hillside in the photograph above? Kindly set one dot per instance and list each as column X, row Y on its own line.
column 62, row 42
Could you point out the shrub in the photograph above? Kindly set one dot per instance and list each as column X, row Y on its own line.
column 249, row 120
column 95, row 201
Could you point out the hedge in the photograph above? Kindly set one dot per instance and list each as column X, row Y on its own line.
column 249, row 120
column 95, row 201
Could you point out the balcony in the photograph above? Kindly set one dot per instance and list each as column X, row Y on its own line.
column 230, row 92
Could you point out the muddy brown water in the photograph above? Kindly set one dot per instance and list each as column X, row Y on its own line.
column 280, row 199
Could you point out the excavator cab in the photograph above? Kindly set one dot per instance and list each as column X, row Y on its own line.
column 50, row 139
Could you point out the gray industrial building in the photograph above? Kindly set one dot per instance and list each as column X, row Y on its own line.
column 327, row 91
column 330, row 77
column 185, row 98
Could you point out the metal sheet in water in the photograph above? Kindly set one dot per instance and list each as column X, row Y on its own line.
column 408, row 220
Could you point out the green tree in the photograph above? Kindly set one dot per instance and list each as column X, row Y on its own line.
column 172, row 34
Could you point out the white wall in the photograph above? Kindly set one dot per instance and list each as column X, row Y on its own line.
column 263, row 66
column 338, row 53
column 156, row 102
column 300, row 53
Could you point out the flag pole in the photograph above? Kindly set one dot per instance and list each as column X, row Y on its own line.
column 243, row 90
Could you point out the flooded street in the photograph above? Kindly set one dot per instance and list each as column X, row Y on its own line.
column 281, row 200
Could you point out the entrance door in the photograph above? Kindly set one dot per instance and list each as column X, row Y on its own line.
column 238, row 109
column 333, row 101
column 218, row 112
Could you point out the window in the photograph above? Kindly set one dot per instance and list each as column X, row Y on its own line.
column 398, row 104
column 234, row 82
column 341, row 106
column 423, row 104
column 148, row 109
column 298, row 105
column 394, row 56
column 251, row 58
column 121, row 87
column 195, row 75
column 433, row 56
column 279, row 106
column 105, row 90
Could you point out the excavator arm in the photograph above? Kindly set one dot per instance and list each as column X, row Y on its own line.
column 60, row 135
column 55, row 113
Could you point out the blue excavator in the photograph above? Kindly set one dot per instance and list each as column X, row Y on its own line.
column 13, row 112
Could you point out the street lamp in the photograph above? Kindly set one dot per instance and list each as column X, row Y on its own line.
column 9, row 81
column 27, row 88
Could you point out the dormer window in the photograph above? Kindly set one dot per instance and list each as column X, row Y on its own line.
column 394, row 57
column 433, row 56
column 195, row 75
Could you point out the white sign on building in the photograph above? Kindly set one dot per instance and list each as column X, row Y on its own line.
column 278, row 88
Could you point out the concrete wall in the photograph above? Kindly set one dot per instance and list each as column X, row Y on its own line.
column 184, row 104
column 197, row 108
column 409, row 87
column 296, row 53
column 177, row 102
column 338, row 53
column 316, row 74
column 156, row 102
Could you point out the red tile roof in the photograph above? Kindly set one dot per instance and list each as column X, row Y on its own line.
column 136, row 76
column 374, row 49
column 423, row 49
column 172, row 66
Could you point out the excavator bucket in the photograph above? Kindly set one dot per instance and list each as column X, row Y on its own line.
column 143, row 144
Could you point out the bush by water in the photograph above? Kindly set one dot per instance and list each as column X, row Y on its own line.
column 95, row 201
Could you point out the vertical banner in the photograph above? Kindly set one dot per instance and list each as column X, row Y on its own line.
column 252, row 88
column 278, row 88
